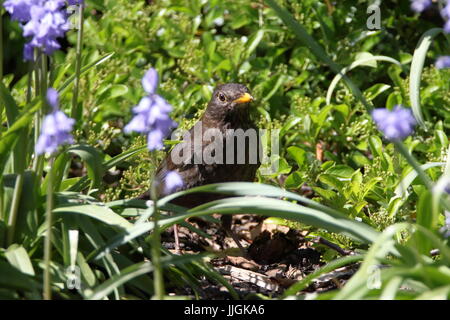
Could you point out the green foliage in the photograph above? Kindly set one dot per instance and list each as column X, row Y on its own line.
column 337, row 178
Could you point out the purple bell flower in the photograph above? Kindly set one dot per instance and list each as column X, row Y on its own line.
column 396, row 124
column 151, row 115
column 19, row 9
column 56, row 127
column 443, row 62
column 43, row 21
column 420, row 5
column 172, row 182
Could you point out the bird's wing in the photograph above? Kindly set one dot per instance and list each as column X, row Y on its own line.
column 184, row 165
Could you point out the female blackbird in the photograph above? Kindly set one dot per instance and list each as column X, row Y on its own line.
column 227, row 135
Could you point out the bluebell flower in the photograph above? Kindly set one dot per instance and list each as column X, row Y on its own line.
column 53, row 98
column 446, row 228
column 28, row 52
column 420, row 5
column 172, row 181
column 445, row 13
column 74, row 2
column 150, row 81
column 43, row 21
column 56, row 127
column 19, row 9
column 47, row 23
column 396, row 124
column 151, row 115
column 443, row 62
column 447, row 26
column 161, row 129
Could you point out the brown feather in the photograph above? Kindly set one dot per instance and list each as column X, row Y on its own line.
column 222, row 116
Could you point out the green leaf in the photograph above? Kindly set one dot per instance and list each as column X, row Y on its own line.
column 131, row 233
column 293, row 181
column 26, row 221
column 298, row 154
column 79, row 185
column 112, row 92
column 360, row 56
column 12, row 278
column 18, row 257
column 122, row 157
column 117, row 280
column 393, row 99
column 94, row 161
column 255, row 189
column 415, row 75
column 376, row 145
column 375, row 90
column 321, row 216
column 66, row 184
column 327, row 194
column 64, row 87
column 441, row 293
column 254, row 42
column 59, row 166
column 94, row 237
column 12, row 111
column 97, row 212
column 305, row 282
column 391, row 288
column 341, row 171
column 425, row 219
column 12, row 135
column 402, row 188
column 283, row 209
column 331, row 181
column 306, row 39
column 357, row 287
column 137, row 270
column 363, row 61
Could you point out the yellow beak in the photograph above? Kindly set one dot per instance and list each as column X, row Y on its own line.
column 244, row 98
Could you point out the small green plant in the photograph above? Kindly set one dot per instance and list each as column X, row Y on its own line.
column 70, row 224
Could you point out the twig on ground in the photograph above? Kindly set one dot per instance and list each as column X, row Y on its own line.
column 333, row 246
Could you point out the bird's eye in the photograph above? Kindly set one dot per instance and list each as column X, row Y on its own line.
column 222, row 97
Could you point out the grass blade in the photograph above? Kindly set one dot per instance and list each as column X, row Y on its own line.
column 85, row 69
column 100, row 213
column 417, row 63
column 117, row 280
column 18, row 257
column 316, row 49
column 302, row 284
column 282, row 209
column 402, row 189
column 353, row 65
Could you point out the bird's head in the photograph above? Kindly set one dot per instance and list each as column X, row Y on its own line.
column 229, row 99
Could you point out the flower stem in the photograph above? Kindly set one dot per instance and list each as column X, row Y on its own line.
column 14, row 208
column 76, row 111
column 47, row 294
column 37, row 73
column 1, row 42
column 2, row 200
column 44, row 76
column 38, row 115
column 2, row 213
column 158, row 280
column 413, row 162
column 422, row 175
column 39, row 160
column 29, row 81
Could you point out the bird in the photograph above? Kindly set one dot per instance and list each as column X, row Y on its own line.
column 227, row 115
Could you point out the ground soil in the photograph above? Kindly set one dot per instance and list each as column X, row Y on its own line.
column 275, row 257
